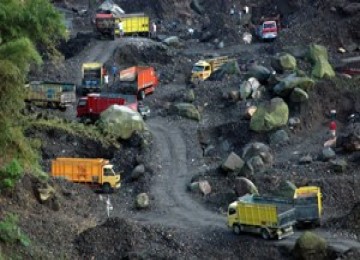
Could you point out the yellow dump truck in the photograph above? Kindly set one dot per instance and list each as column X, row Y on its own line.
column 96, row 172
column 92, row 77
column 261, row 215
column 133, row 24
column 204, row 68
column 308, row 205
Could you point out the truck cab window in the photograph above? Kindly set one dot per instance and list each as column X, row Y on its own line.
column 198, row 68
column 232, row 211
column 207, row 68
column 108, row 172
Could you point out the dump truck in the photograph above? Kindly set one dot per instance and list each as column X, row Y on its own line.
column 204, row 68
column 50, row 94
column 268, row 28
column 92, row 77
column 308, row 205
column 97, row 172
column 94, row 104
column 265, row 216
column 138, row 80
column 105, row 25
column 133, row 24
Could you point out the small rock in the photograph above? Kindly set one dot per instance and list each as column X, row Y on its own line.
column 138, row 172
column 307, row 159
column 279, row 137
column 338, row 165
column 234, row 95
column 142, row 201
column 310, row 246
column 294, row 121
column 250, row 111
column 328, row 154
column 201, row 187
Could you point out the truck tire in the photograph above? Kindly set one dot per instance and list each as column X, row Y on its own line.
column 236, row 229
column 142, row 95
column 265, row 234
column 106, row 188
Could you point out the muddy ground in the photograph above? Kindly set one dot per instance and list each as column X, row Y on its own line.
column 179, row 224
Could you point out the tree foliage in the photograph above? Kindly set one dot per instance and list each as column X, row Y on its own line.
column 25, row 25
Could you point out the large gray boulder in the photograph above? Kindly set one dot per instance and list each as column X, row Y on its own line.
column 138, row 172
column 121, row 121
column 259, row 72
column 258, row 157
column 270, row 115
column 280, row 137
column 310, row 246
column 200, row 187
column 187, row 110
column 249, row 87
column 244, row 186
column 233, row 163
column 292, row 81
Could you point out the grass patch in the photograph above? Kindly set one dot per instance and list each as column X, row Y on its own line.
column 10, row 233
column 76, row 129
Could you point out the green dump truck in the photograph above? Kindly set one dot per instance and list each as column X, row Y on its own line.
column 50, row 94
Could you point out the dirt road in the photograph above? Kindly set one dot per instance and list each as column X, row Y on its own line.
column 174, row 205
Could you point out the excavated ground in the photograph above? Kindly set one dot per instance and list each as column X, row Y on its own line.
column 179, row 224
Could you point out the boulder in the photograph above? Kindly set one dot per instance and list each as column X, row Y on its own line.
column 172, row 41
column 270, row 115
column 234, row 95
column 316, row 52
column 287, row 85
column 197, row 7
column 259, row 72
column 310, row 246
column 279, row 137
column 189, row 96
column 233, row 163
column 187, row 110
column 244, row 186
column 283, row 62
column 258, row 157
column 350, row 138
column 45, row 192
column 201, row 187
column 245, row 90
column 121, row 121
column 138, row 172
column 298, row 95
column 142, row 201
column 286, row 189
column 327, row 154
column 250, row 111
column 322, row 69
column 338, row 165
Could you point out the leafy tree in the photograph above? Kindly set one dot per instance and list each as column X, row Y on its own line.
column 25, row 25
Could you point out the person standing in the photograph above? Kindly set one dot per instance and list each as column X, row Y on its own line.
column 106, row 81
column 153, row 30
column 114, row 71
column 121, row 28
column 332, row 128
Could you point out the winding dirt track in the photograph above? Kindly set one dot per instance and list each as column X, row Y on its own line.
column 174, row 205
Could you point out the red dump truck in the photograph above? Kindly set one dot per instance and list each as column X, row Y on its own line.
column 138, row 80
column 94, row 104
column 268, row 28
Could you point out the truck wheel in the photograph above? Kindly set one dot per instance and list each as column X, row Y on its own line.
column 236, row 229
column 106, row 188
column 265, row 234
column 142, row 95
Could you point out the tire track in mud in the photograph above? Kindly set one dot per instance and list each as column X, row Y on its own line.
column 174, row 206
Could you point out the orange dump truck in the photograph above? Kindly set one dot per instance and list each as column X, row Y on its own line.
column 96, row 172
column 138, row 80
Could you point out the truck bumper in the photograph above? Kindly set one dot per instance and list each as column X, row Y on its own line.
column 285, row 232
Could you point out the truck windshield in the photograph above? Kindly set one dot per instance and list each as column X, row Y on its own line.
column 109, row 172
column 198, row 68
column 269, row 25
column 92, row 73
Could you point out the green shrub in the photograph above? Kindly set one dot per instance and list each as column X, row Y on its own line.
column 11, row 233
column 10, row 174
